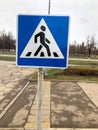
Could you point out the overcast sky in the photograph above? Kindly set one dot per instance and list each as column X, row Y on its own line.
column 83, row 15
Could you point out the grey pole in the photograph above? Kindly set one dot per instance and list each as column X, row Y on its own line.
column 39, row 99
column 49, row 7
column 40, row 92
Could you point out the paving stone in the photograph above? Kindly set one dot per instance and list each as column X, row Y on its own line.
column 32, row 118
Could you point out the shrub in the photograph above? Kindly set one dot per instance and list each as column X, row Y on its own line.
column 80, row 71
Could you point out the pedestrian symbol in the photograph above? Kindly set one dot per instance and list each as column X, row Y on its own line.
column 42, row 44
column 43, row 41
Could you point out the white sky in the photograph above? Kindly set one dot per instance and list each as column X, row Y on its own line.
column 83, row 14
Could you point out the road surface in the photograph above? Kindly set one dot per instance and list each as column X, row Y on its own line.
column 67, row 104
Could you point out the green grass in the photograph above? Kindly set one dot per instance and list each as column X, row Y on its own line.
column 80, row 78
column 8, row 52
column 82, row 56
column 55, row 74
column 6, row 58
column 81, row 62
column 51, row 73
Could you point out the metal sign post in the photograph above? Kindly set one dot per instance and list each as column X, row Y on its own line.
column 39, row 99
column 40, row 93
column 49, row 7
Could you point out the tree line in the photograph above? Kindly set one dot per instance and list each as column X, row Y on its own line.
column 88, row 48
column 7, row 41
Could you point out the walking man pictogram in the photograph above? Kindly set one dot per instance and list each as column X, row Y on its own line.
column 43, row 41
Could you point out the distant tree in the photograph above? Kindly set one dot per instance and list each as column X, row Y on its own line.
column 2, row 37
column 83, row 48
column 91, row 45
column 7, row 41
column 77, row 48
column 72, row 48
column 10, row 41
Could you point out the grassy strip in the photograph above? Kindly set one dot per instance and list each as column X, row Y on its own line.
column 6, row 58
column 58, row 75
column 80, row 71
column 79, row 74
column 83, row 56
column 77, row 78
column 81, row 62
column 8, row 52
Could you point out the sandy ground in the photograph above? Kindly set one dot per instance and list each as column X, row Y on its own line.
column 10, row 75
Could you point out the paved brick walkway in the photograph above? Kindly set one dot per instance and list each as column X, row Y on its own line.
column 32, row 118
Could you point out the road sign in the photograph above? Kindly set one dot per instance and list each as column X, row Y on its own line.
column 42, row 41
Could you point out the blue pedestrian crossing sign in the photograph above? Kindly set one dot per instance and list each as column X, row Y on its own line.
column 42, row 41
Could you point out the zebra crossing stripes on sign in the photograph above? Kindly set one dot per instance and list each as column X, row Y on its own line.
column 42, row 41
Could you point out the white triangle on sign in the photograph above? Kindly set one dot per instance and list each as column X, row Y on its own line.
column 48, row 49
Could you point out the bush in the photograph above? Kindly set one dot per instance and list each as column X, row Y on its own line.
column 80, row 71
